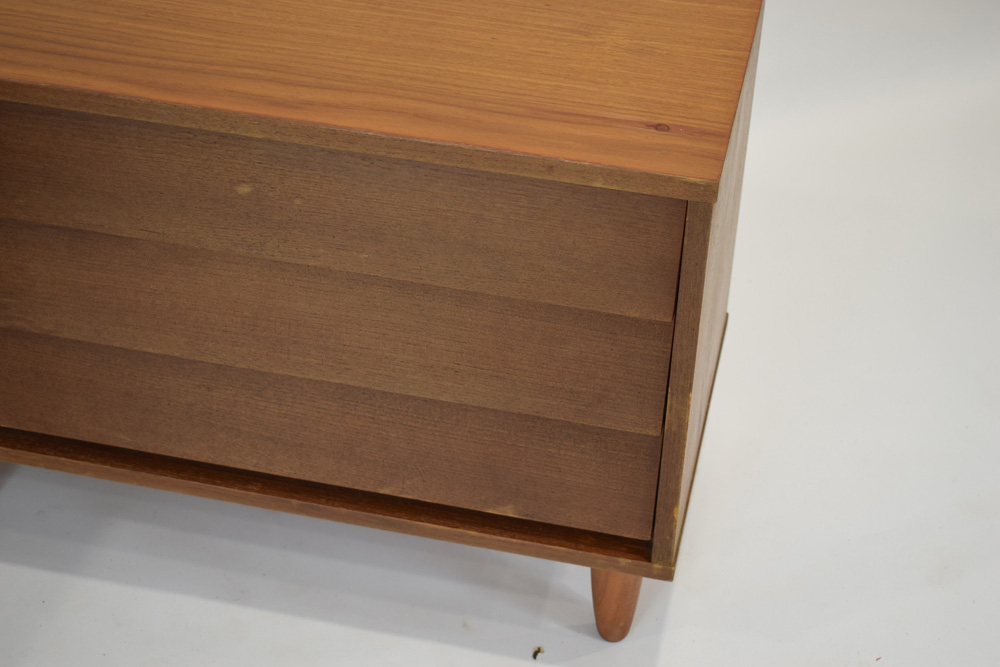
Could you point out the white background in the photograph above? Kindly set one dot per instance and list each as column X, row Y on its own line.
column 846, row 509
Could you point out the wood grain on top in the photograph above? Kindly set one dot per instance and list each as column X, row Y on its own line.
column 638, row 96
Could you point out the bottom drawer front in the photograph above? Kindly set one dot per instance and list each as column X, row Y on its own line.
column 510, row 464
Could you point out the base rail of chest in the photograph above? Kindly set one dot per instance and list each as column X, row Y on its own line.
column 580, row 547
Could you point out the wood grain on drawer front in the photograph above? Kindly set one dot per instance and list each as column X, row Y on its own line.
column 481, row 355
column 513, row 465
column 570, row 245
column 456, row 346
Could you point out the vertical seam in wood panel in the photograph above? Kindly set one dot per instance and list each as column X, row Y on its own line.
column 694, row 252
column 701, row 438
column 666, row 387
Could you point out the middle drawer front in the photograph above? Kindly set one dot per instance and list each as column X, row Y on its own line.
column 262, row 350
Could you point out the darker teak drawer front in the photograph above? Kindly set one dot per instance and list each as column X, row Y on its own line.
column 474, row 340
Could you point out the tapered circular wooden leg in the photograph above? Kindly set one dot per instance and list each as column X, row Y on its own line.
column 615, row 597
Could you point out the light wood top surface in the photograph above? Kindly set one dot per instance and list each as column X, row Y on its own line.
column 639, row 96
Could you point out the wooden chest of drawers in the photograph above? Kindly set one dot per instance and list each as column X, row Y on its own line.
column 449, row 269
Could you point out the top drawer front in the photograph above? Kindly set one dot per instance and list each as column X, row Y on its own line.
column 589, row 248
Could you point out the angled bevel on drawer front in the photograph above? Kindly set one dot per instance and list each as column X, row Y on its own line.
column 456, row 346
column 477, row 340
